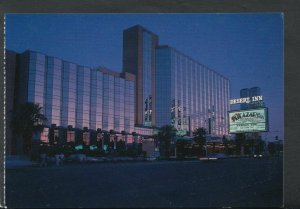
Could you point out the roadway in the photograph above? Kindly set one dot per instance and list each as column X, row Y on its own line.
column 224, row 183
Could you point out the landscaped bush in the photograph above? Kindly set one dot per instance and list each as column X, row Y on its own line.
column 131, row 152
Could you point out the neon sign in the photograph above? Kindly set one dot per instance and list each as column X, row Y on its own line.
column 246, row 100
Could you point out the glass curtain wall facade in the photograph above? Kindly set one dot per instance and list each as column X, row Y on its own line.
column 244, row 93
column 36, row 82
column 189, row 95
column 83, row 97
column 147, row 78
column 53, row 80
column 129, row 106
column 75, row 95
column 118, row 101
column 108, row 102
column 96, row 99
column 69, row 89
column 119, row 104
column 139, row 59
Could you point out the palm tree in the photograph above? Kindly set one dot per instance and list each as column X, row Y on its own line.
column 99, row 138
column 27, row 119
column 155, row 137
column 113, row 138
column 124, row 134
column 199, row 138
column 106, row 139
column 165, row 136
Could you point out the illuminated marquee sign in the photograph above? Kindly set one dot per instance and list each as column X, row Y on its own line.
column 246, row 100
column 245, row 121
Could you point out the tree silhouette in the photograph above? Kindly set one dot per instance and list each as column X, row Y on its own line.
column 165, row 135
column 26, row 119
column 200, row 138
column 239, row 142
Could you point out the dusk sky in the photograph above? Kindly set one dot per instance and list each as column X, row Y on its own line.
column 246, row 48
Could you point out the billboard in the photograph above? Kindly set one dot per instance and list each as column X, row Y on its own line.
column 245, row 121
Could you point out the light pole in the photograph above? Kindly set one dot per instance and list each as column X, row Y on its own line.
column 115, row 141
column 102, row 140
column 205, row 141
column 210, row 124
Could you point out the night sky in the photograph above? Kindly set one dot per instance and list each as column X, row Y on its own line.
column 246, row 48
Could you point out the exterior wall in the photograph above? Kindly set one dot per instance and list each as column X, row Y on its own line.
column 255, row 91
column 108, row 102
column 119, row 104
column 132, row 64
column 243, row 94
column 129, row 113
column 10, row 68
column 144, row 131
column 96, row 99
column 83, row 97
column 21, row 86
column 69, row 89
column 52, row 96
column 147, row 78
column 118, row 101
column 76, row 95
column 163, row 87
column 188, row 93
column 36, row 80
column 250, row 92
column 139, row 58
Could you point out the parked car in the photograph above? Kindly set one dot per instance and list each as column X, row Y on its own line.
column 77, row 157
column 257, row 155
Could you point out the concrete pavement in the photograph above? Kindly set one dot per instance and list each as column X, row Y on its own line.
column 18, row 161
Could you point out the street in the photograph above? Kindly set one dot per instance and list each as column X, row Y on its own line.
column 225, row 183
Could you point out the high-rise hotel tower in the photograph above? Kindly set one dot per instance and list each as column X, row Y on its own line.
column 189, row 95
column 172, row 88
column 139, row 47
column 159, row 86
column 75, row 95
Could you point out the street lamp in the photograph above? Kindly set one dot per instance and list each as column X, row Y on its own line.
column 205, row 142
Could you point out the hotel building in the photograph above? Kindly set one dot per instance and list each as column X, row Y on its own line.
column 251, row 92
column 172, row 88
column 139, row 48
column 158, row 86
column 75, row 95
column 189, row 95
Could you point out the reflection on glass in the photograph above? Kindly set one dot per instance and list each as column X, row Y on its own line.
column 193, row 91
